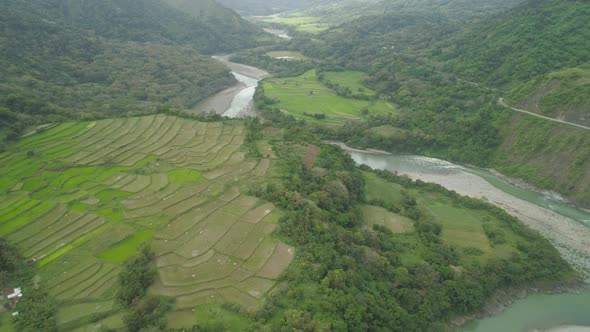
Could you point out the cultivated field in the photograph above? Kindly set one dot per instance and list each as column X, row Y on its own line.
column 462, row 227
column 81, row 198
column 305, row 94
column 300, row 23
column 350, row 79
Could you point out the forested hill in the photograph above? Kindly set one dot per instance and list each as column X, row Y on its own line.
column 219, row 18
column 534, row 38
column 152, row 21
column 344, row 10
column 70, row 59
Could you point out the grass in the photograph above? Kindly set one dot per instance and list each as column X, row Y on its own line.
column 82, row 310
column 211, row 316
column 375, row 215
column 126, row 249
column 183, row 176
column 350, row 79
column 306, row 94
column 462, row 227
column 95, row 192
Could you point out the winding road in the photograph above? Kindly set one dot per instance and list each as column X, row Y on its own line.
column 503, row 103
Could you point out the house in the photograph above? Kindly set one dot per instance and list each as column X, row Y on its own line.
column 17, row 293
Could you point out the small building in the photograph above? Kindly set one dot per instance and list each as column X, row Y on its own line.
column 17, row 293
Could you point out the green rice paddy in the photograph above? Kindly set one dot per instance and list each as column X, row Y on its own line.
column 79, row 199
column 306, row 94
column 300, row 23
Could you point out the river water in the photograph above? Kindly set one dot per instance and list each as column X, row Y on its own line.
column 236, row 101
column 566, row 226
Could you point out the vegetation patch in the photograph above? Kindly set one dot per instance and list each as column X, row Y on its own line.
column 128, row 247
column 375, row 215
column 183, row 176
column 300, row 23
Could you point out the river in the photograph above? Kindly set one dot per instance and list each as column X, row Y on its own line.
column 236, row 101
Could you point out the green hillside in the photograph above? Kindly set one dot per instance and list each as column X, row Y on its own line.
column 153, row 21
column 536, row 38
column 563, row 94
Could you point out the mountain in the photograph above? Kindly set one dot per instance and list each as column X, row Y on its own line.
column 218, row 17
column 535, row 38
column 154, row 21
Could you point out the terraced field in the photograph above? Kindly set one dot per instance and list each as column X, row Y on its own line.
column 81, row 198
column 306, row 94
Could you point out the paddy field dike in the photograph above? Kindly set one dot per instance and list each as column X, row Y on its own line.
column 79, row 199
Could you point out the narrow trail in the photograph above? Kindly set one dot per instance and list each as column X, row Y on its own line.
column 503, row 103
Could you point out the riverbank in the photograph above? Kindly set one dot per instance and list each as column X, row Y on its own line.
column 570, row 237
column 503, row 301
column 235, row 101
column 570, row 328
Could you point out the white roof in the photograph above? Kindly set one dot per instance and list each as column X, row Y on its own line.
column 16, row 293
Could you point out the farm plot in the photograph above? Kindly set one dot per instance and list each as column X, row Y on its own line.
column 82, row 198
column 305, row 97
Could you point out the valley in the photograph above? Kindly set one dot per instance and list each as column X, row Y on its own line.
column 153, row 186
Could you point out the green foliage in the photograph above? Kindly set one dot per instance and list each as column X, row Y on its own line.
column 564, row 94
column 537, row 37
column 148, row 312
column 137, row 275
column 176, row 22
column 128, row 247
column 10, row 260
column 277, row 67
column 404, row 281
column 36, row 311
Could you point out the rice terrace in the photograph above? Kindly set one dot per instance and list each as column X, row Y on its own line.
column 81, row 198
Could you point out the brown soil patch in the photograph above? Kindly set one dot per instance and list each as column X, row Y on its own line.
column 311, row 155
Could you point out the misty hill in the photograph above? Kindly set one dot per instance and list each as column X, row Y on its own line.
column 195, row 23
column 344, row 10
column 269, row 7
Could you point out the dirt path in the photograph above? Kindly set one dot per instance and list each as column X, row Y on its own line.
column 503, row 103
